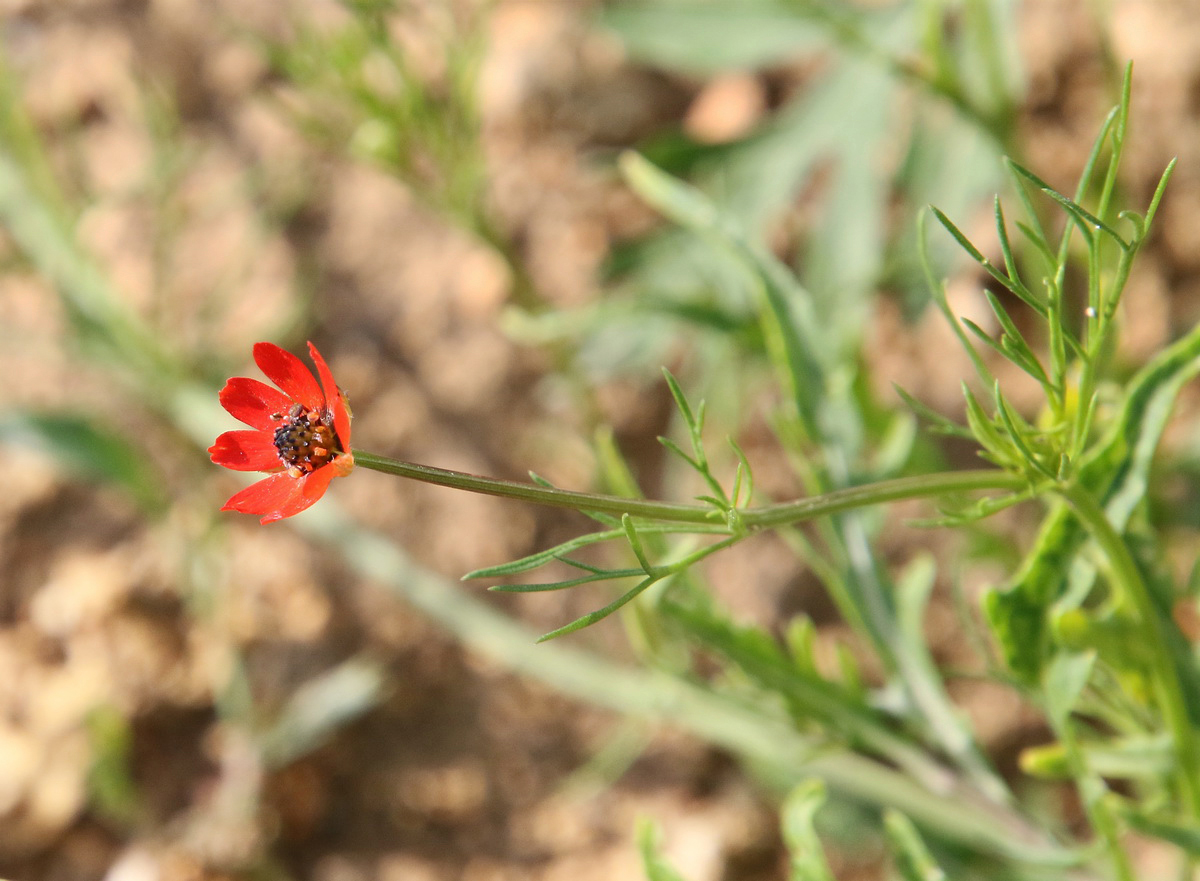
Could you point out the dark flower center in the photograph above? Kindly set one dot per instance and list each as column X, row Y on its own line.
column 305, row 441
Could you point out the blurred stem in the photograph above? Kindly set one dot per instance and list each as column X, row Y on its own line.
column 1099, row 811
column 1127, row 576
column 761, row 517
column 771, row 745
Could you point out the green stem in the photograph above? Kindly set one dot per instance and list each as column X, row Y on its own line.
column 773, row 746
column 764, row 516
column 1126, row 574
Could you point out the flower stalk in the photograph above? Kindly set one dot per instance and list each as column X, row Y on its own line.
column 758, row 517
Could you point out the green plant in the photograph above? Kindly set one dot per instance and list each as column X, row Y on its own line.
column 1085, row 626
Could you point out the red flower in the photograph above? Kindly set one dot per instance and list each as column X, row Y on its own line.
column 301, row 432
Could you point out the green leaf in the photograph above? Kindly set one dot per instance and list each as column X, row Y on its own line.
column 1147, row 758
column 1158, row 194
column 541, row 558
column 705, row 38
column 678, row 451
column 1087, row 222
column 545, row 586
column 1036, row 238
column 1015, row 346
column 790, row 325
column 843, row 257
column 987, row 265
column 938, row 422
column 1017, row 613
column 986, row 434
column 1117, row 470
column 1182, row 832
column 653, row 864
column 635, row 544
column 681, row 402
column 89, row 450
column 600, row 614
column 763, row 662
column 100, row 320
column 1020, row 433
column 914, row 862
column 806, row 856
column 1065, row 678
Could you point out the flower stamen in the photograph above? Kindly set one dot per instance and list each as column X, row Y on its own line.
column 305, row 441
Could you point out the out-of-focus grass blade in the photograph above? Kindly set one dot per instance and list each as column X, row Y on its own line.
column 1066, row 677
column 950, row 163
column 89, row 450
column 1179, row 831
column 844, row 257
column 110, row 778
column 46, row 239
column 806, row 856
column 1131, row 758
column 914, row 862
column 759, row 658
column 319, row 708
column 653, row 864
column 704, row 38
column 795, row 339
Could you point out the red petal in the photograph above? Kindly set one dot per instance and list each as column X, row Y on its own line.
column 312, row 487
column 246, row 451
column 289, row 373
column 333, row 396
column 265, row 497
column 254, row 402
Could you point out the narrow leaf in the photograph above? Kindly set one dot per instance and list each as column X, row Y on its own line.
column 635, row 544
column 1066, row 677
column 545, row 586
column 89, row 450
column 807, row 857
column 600, row 614
column 940, row 423
column 541, row 558
column 680, row 400
column 914, row 862
column 1088, row 222
column 653, row 864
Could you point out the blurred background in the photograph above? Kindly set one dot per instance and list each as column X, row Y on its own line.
column 427, row 190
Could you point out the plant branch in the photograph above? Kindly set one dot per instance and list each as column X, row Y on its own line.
column 1125, row 574
column 760, row 517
